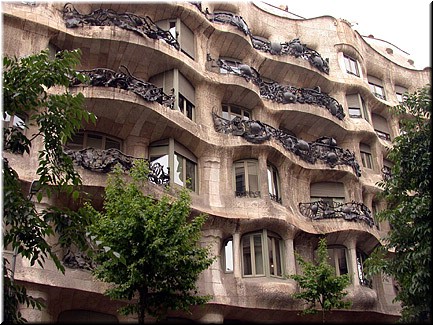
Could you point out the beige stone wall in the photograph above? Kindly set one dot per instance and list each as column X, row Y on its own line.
column 30, row 28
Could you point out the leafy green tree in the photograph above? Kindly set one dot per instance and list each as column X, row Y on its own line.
column 320, row 285
column 408, row 195
column 160, row 257
column 27, row 91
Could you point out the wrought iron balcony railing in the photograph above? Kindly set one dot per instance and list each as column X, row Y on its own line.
column 143, row 26
column 251, row 194
column 294, row 47
column 103, row 77
column 350, row 211
column 103, row 161
column 283, row 94
column 324, row 148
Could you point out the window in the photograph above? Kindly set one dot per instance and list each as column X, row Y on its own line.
column 376, row 87
column 381, row 128
column 366, row 158
column 177, row 161
column 93, row 140
column 273, row 183
column 357, row 107
column 338, row 259
column 184, row 91
column 228, row 256
column 229, row 112
column 329, row 192
column 16, row 120
column 262, row 254
column 360, row 259
column 186, row 107
column 233, row 64
column 246, row 178
column 351, row 65
column 181, row 33
column 401, row 94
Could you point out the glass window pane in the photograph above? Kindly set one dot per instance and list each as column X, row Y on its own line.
column 278, row 257
column 111, row 143
column 272, row 265
column 342, row 264
column 228, row 256
column 253, row 178
column 258, row 254
column 240, row 177
column 94, row 141
column 181, row 103
column 246, row 255
column 236, row 111
column 190, row 174
column 355, row 112
column 178, row 170
column 76, row 143
column 163, row 160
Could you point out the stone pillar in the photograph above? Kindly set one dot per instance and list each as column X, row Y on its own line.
column 237, row 255
column 289, row 261
column 351, row 263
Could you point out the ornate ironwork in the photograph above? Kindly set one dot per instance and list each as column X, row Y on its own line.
column 294, row 47
column 104, row 161
column 143, row 26
column 350, row 211
column 324, row 148
column 275, row 198
column 103, row 77
column 251, row 194
column 78, row 260
column 282, row 93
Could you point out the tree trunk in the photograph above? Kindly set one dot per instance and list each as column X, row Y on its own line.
column 142, row 304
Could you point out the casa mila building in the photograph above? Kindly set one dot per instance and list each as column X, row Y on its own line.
column 282, row 125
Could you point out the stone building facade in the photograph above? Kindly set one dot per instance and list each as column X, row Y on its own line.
column 282, row 124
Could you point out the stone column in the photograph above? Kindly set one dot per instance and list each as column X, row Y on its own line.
column 289, row 261
column 237, row 255
column 351, row 263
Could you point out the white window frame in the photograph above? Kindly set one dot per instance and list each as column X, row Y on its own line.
column 246, row 175
column 228, row 112
column 87, row 134
column 351, row 65
column 273, row 183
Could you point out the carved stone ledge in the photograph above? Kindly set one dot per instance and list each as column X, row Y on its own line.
column 143, row 26
column 324, row 149
column 102, row 77
column 284, row 94
column 350, row 211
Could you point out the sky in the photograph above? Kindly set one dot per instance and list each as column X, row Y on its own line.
column 405, row 24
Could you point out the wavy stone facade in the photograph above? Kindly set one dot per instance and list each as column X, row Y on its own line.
column 282, row 124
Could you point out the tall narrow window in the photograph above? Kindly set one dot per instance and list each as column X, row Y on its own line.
column 366, row 158
column 400, row 93
column 262, row 254
column 337, row 259
column 181, row 33
column 227, row 260
column 380, row 125
column 376, row 87
column 357, row 107
column 273, row 183
column 246, row 178
column 360, row 259
column 351, row 65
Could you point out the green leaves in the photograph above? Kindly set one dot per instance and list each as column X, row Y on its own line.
column 408, row 193
column 319, row 285
column 35, row 88
column 158, row 241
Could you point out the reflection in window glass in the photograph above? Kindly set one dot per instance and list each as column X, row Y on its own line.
column 246, row 253
column 228, row 256
column 337, row 259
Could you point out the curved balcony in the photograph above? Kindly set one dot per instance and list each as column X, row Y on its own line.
column 324, row 148
column 294, row 47
column 143, row 26
column 281, row 93
column 350, row 211
column 102, row 77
